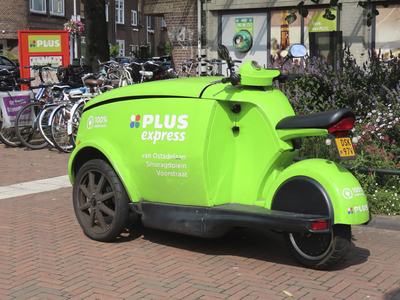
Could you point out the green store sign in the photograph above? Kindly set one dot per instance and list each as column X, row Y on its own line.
column 44, row 43
column 319, row 24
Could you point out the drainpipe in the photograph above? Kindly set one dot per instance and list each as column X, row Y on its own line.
column 75, row 35
column 199, row 36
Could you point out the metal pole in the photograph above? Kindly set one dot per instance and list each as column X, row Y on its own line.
column 199, row 37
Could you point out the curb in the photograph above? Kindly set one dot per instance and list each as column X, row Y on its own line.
column 384, row 222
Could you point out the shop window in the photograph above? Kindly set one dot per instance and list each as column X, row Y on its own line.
column 282, row 34
column 387, row 34
column 37, row 6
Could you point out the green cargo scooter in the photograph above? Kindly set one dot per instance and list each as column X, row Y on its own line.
column 202, row 155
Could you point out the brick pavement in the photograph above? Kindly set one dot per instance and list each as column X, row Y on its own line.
column 21, row 165
column 44, row 255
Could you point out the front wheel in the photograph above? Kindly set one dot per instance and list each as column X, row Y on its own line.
column 59, row 128
column 100, row 202
column 320, row 250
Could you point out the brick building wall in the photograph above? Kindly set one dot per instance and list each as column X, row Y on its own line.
column 15, row 15
column 12, row 18
column 181, row 19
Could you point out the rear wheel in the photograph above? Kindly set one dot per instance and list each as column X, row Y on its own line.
column 27, row 126
column 100, row 201
column 320, row 250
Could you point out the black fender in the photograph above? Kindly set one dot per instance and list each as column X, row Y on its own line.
column 305, row 195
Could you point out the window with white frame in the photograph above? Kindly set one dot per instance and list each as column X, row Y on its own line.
column 119, row 11
column 56, row 7
column 148, row 20
column 121, row 44
column 38, row 6
column 106, row 12
column 134, row 17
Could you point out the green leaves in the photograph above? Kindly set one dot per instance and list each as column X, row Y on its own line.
column 375, row 99
column 329, row 15
column 334, row 4
column 291, row 18
column 371, row 15
column 303, row 12
column 363, row 4
column 373, row 12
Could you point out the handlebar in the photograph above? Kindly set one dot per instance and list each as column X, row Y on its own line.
column 40, row 67
column 234, row 79
column 11, row 73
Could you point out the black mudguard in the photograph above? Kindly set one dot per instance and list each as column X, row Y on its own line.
column 303, row 195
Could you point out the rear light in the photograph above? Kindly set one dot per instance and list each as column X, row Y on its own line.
column 320, row 225
column 344, row 125
column 341, row 133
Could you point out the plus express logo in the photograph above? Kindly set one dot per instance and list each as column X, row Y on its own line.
column 161, row 128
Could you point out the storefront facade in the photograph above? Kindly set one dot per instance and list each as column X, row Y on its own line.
column 270, row 35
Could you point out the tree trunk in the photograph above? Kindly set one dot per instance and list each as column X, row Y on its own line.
column 96, row 33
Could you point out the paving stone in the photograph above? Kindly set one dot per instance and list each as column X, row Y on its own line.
column 45, row 255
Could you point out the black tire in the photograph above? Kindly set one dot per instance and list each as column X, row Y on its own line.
column 44, row 127
column 75, row 121
column 59, row 129
column 320, row 250
column 100, row 202
column 29, row 135
column 8, row 135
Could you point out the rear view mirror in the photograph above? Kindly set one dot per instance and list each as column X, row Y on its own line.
column 223, row 52
column 298, row 50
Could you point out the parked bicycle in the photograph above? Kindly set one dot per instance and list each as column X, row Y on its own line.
column 27, row 126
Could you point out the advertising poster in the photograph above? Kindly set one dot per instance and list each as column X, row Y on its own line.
column 11, row 103
column 244, row 23
column 48, row 76
column 319, row 24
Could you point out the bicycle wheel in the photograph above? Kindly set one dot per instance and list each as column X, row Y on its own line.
column 44, row 127
column 27, row 126
column 59, row 128
column 75, row 120
column 7, row 134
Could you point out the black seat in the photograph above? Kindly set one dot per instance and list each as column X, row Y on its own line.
column 25, row 80
column 317, row 120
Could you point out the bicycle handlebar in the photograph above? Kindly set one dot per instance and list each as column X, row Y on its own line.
column 40, row 67
column 11, row 73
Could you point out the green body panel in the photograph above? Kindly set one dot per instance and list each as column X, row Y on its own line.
column 188, row 150
column 255, row 75
column 347, row 197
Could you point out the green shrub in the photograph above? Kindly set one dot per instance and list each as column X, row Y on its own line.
column 373, row 92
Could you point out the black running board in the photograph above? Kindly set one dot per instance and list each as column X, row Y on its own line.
column 210, row 222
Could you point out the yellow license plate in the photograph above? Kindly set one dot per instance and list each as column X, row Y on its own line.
column 345, row 148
